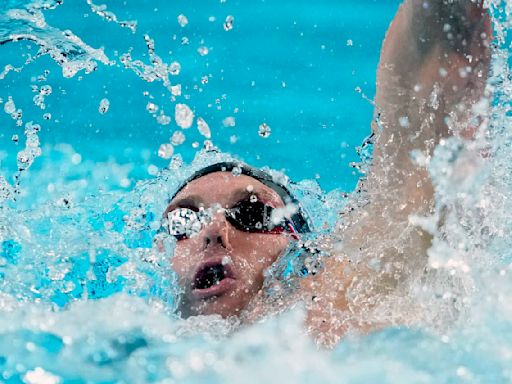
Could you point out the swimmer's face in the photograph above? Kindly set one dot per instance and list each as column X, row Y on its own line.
column 221, row 268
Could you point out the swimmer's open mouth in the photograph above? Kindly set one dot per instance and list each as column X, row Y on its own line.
column 212, row 278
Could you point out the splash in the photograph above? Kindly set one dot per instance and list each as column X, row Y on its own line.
column 21, row 20
column 102, row 11
column 85, row 295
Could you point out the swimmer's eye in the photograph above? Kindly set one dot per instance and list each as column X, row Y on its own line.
column 251, row 215
column 183, row 223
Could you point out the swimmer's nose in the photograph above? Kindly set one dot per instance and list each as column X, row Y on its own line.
column 217, row 232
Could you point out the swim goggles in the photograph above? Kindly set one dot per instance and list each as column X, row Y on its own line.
column 246, row 215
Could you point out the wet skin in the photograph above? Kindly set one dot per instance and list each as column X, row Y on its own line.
column 234, row 259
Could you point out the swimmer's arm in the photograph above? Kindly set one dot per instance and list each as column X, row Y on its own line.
column 433, row 69
column 417, row 54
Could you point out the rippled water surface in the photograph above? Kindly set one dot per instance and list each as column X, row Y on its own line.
column 104, row 106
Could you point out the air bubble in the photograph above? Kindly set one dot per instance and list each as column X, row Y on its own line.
column 264, row 130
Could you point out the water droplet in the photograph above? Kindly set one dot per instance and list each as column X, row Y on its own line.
column 104, row 106
column 253, row 198
column 39, row 101
column 233, row 139
column 175, row 68
column 177, row 138
column 203, row 51
column 228, row 24
column 204, row 80
column 76, row 158
column 236, row 171
column 404, row 121
column 211, row 19
column 176, row 90
column 184, row 116
column 47, row 116
column 151, row 107
column 209, row 146
column 182, row 20
column 264, row 130
column 9, row 106
column 163, row 119
column 165, row 151
column 229, row 121
column 195, row 144
column 203, row 128
column 185, row 41
column 15, row 138
column 152, row 170
column 176, row 162
column 350, row 43
column 45, row 90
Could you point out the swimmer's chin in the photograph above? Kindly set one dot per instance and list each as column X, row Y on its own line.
column 227, row 305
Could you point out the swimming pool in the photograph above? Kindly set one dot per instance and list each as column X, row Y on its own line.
column 83, row 297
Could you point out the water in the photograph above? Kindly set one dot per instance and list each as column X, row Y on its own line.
column 96, row 126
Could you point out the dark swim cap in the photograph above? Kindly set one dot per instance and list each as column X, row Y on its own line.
column 299, row 219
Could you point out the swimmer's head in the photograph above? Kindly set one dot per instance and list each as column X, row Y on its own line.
column 231, row 222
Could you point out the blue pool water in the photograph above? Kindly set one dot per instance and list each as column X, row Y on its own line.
column 83, row 297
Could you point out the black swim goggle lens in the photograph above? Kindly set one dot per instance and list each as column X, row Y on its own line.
column 246, row 215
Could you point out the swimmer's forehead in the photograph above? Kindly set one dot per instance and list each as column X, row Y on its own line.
column 226, row 189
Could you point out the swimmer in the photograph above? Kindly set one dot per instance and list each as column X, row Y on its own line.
column 433, row 69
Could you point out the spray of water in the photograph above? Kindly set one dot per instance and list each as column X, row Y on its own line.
column 79, row 245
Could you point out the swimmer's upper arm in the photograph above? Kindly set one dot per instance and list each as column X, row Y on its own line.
column 433, row 67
